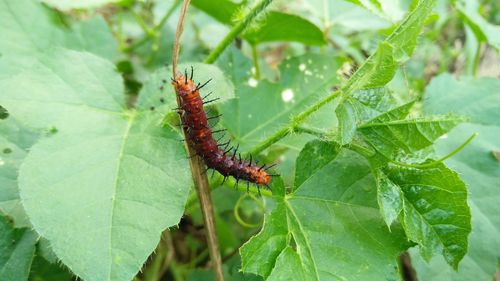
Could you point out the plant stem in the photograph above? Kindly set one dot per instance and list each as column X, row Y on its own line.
column 236, row 30
column 141, row 23
column 230, row 183
column 255, row 56
column 197, row 167
column 294, row 124
column 167, row 15
column 237, row 213
column 154, row 30
column 311, row 131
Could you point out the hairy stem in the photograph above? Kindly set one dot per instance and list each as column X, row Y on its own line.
column 197, row 167
column 294, row 124
column 255, row 56
column 236, row 30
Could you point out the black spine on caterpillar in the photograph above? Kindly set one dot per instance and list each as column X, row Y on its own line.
column 200, row 136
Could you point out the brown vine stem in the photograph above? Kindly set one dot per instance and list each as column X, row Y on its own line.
column 197, row 167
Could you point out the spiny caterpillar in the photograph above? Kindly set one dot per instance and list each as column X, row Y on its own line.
column 200, row 136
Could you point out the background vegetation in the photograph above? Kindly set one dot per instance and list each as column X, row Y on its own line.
column 383, row 116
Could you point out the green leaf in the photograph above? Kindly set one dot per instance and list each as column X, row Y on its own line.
column 394, row 114
column 288, row 264
column 42, row 270
column 336, row 228
column 66, row 5
column 84, row 93
column 429, row 218
column 221, row 10
column 92, row 35
column 259, row 254
column 275, row 26
column 110, row 178
column 3, row 113
column 479, row 99
column 483, row 30
column 389, row 137
column 390, row 199
column 304, row 80
column 376, row 71
column 279, row 26
column 15, row 140
column 371, row 5
column 314, row 156
column 347, row 122
column 154, row 88
column 26, row 39
column 404, row 37
column 349, row 16
column 17, row 249
column 380, row 67
column 370, row 103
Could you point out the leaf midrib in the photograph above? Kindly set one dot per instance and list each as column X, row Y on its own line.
column 409, row 122
column 115, row 184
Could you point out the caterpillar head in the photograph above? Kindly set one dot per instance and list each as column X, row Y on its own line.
column 259, row 176
column 184, row 87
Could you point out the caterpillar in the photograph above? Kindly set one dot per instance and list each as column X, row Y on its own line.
column 199, row 134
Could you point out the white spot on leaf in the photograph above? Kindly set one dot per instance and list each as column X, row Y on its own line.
column 302, row 67
column 252, row 82
column 287, row 95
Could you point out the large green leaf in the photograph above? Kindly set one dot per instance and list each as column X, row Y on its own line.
column 314, row 156
column 346, row 115
column 381, row 66
column 221, row 10
column 29, row 29
column 259, row 254
column 428, row 217
column 479, row 99
column 482, row 29
column 262, row 109
column 43, row 270
column 279, row 26
column 78, row 4
column 410, row 135
column 273, row 26
column 390, row 199
column 17, row 249
column 392, row 11
column 109, row 178
column 14, row 143
column 371, row 103
column 347, row 15
column 377, row 70
column 333, row 221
